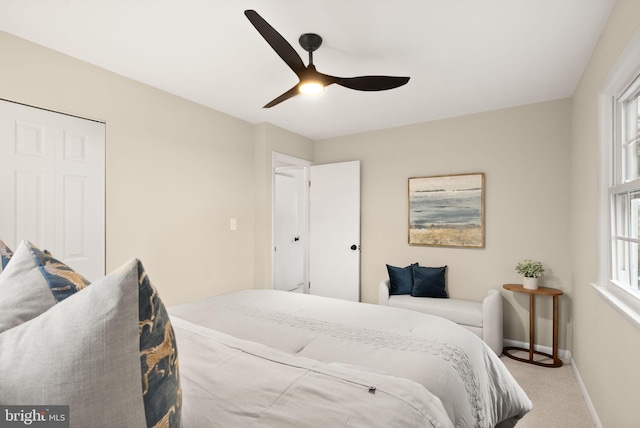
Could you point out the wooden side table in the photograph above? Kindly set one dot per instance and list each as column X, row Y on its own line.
column 542, row 291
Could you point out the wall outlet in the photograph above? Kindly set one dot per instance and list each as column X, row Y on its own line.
column 233, row 224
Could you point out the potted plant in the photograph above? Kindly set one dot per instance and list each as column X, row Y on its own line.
column 531, row 271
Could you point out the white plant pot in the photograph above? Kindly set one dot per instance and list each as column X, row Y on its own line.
column 530, row 283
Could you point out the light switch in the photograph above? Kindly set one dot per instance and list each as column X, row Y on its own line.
column 233, row 224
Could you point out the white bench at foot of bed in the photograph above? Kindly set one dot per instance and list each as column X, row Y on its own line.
column 482, row 318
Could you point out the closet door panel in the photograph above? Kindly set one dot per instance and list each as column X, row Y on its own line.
column 52, row 167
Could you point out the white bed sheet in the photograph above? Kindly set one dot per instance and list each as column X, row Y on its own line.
column 455, row 365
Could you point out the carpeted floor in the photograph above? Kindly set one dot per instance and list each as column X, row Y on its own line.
column 557, row 400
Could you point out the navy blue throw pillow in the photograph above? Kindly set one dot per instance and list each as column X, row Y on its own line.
column 401, row 279
column 428, row 281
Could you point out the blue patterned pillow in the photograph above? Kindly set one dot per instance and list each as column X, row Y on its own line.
column 32, row 283
column 62, row 280
column 5, row 255
column 158, row 358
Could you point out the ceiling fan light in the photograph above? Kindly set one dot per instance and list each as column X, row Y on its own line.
column 311, row 88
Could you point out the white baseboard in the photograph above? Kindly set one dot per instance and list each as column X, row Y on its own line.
column 585, row 395
column 562, row 353
column 565, row 355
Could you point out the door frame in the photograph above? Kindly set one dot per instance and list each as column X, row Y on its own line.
column 280, row 160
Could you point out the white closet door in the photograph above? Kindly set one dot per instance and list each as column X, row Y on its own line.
column 52, row 170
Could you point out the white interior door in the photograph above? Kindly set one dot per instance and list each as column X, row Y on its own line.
column 288, row 234
column 52, row 170
column 334, row 230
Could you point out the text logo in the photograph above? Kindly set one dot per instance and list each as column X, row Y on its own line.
column 34, row 416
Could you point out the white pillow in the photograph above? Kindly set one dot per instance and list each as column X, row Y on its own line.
column 96, row 351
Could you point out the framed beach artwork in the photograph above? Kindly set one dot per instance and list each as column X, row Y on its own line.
column 447, row 210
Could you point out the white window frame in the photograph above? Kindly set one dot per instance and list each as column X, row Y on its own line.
column 623, row 73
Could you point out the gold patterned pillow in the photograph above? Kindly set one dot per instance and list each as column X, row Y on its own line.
column 158, row 358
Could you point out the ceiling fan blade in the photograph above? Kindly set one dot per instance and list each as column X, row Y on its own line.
column 289, row 94
column 369, row 83
column 276, row 41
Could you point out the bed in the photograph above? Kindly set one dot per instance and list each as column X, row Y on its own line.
column 451, row 371
column 112, row 353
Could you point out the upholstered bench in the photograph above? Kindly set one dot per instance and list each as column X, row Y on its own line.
column 482, row 318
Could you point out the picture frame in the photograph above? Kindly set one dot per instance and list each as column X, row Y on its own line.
column 447, row 210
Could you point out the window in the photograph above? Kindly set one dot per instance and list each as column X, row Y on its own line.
column 625, row 189
column 619, row 185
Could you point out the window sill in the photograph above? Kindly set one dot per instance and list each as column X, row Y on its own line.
column 627, row 306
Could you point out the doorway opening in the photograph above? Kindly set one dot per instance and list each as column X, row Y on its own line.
column 316, row 227
column 290, row 228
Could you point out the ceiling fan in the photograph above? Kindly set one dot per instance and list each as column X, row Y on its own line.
column 311, row 80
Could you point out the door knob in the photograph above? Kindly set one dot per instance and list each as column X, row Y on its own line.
column 354, row 247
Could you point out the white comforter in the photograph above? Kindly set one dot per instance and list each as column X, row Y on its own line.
column 474, row 387
column 229, row 382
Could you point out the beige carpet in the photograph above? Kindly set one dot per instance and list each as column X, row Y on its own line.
column 557, row 400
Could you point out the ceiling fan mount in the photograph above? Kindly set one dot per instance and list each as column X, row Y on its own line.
column 310, row 42
column 308, row 75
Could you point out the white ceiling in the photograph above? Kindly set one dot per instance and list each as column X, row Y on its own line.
column 463, row 56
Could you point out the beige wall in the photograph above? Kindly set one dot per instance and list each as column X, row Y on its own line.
column 176, row 171
column 524, row 153
column 606, row 348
